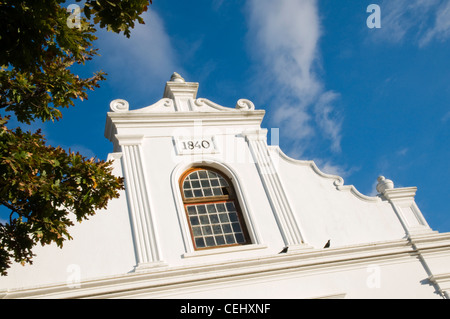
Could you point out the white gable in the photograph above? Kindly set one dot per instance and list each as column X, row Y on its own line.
column 154, row 241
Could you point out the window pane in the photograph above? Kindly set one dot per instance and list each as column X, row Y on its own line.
column 236, row 227
column 213, row 229
column 213, row 224
column 233, row 217
column 210, row 241
column 230, row 239
column 224, row 218
column 212, row 174
column 207, row 230
column 193, row 176
column 204, row 219
column 220, row 240
column 230, row 206
column 211, row 208
column 199, row 242
column 198, row 193
column 239, row 238
column 214, row 218
column 217, row 229
column 201, row 209
column 214, row 182
column 194, row 221
column 197, row 231
column 203, row 183
column 191, row 210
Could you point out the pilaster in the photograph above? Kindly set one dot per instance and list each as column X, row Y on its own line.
column 418, row 233
column 281, row 207
column 402, row 200
column 142, row 219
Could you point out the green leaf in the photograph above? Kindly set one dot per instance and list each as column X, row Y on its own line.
column 41, row 185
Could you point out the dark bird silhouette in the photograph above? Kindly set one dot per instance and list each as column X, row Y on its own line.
column 285, row 249
column 327, row 244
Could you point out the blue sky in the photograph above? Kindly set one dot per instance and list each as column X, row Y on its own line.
column 361, row 102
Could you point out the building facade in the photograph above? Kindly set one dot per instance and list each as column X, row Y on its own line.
column 210, row 210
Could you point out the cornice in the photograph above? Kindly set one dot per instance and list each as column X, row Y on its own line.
column 407, row 193
column 338, row 181
column 180, row 107
column 116, row 121
column 182, row 116
column 431, row 241
column 311, row 261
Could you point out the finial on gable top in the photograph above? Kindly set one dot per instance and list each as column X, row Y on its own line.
column 176, row 78
column 384, row 184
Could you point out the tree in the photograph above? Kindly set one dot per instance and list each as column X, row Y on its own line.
column 43, row 186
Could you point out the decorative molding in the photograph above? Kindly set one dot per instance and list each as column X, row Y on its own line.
column 144, row 267
column 224, row 250
column 244, row 104
column 281, row 207
column 163, row 105
column 404, row 205
column 114, row 156
column 255, row 135
column 119, row 106
column 203, row 105
column 143, row 225
column 167, row 105
column 338, row 181
column 400, row 194
column 162, row 280
column 129, row 139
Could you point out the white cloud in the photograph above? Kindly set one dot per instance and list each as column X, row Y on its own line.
column 327, row 119
column 402, row 151
column 423, row 20
column 284, row 37
column 373, row 189
column 148, row 56
column 441, row 28
column 3, row 220
column 328, row 167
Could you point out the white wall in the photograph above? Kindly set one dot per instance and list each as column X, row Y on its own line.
column 101, row 246
column 324, row 212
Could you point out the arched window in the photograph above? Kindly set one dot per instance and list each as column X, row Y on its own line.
column 212, row 209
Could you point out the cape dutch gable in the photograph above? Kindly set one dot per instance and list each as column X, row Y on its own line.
column 209, row 206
